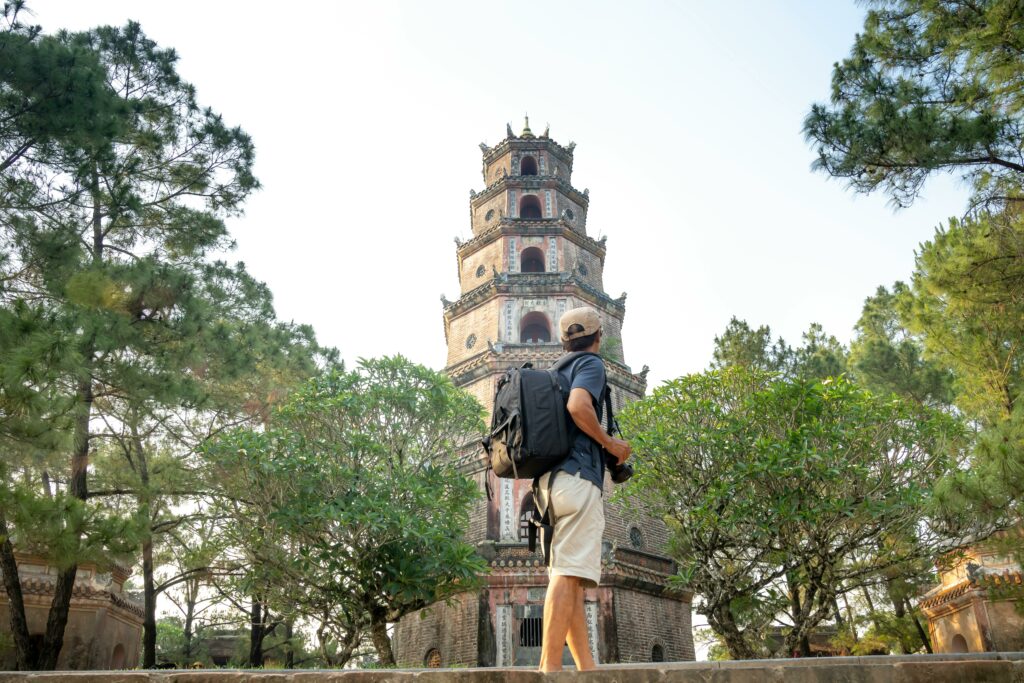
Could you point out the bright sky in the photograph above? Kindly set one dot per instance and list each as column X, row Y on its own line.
column 687, row 116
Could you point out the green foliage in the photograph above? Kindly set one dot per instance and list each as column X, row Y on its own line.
column 968, row 306
column 930, row 85
column 349, row 502
column 887, row 358
column 171, row 646
column 820, row 356
column 780, row 495
column 742, row 346
column 53, row 95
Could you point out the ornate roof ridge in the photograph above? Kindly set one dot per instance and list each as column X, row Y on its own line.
column 491, row 153
column 491, row 189
column 979, row 582
column 533, row 353
column 479, row 293
column 39, row 585
column 517, row 224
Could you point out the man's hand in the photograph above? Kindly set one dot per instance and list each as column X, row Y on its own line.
column 619, row 448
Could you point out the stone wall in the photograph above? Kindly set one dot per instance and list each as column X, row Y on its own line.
column 988, row 667
column 451, row 629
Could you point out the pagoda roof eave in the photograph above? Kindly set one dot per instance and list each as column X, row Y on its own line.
column 498, row 357
column 502, row 147
column 518, row 181
column 522, row 284
column 520, row 226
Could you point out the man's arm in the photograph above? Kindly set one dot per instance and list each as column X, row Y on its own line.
column 581, row 409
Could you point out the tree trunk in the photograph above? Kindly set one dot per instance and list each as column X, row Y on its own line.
column 920, row 629
column 798, row 620
column 289, row 651
column 148, row 580
column 257, row 631
column 381, row 640
column 898, row 609
column 148, row 606
column 25, row 653
column 57, row 620
column 849, row 616
column 190, row 611
column 871, row 608
column 722, row 623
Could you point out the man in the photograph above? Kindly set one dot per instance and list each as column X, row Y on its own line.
column 577, row 510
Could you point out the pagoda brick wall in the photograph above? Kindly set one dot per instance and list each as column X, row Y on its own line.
column 489, row 257
column 644, row 620
column 476, row 321
column 497, row 203
column 574, row 258
column 450, row 628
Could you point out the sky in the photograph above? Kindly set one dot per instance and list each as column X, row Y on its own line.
column 687, row 117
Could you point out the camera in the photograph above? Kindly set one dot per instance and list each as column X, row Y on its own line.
column 620, row 473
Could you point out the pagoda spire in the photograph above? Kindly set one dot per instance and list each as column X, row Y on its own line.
column 527, row 133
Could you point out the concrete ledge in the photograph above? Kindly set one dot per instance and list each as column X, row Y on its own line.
column 990, row 667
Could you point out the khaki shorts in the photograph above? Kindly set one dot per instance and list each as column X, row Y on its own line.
column 578, row 514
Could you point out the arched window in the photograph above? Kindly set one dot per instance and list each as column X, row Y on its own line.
column 432, row 660
column 959, row 644
column 117, row 657
column 531, row 260
column 534, row 328
column 657, row 653
column 529, row 207
column 528, row 166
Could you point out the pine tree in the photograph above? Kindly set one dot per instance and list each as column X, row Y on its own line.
column 109, row 236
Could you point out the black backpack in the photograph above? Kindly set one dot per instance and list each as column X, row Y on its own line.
column 531, row 430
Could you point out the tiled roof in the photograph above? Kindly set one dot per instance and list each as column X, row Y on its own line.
column 978, row 581
column 35, row 585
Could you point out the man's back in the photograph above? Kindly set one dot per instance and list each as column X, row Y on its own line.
column 587, row 372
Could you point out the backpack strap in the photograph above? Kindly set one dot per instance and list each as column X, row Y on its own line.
column 541, row 524
column 612, row 427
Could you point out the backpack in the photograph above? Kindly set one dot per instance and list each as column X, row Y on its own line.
column 531, row 430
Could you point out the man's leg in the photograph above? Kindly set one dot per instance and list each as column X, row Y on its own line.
column 565, row 621
column 577, row 638
column 559, row 611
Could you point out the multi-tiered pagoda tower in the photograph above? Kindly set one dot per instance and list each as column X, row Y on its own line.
column 530, row 260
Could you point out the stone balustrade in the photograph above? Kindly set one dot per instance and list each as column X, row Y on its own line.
column 991, row 667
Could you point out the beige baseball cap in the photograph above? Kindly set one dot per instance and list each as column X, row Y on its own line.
column 584, row 316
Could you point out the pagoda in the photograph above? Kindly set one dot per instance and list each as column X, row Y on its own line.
column 529, row 260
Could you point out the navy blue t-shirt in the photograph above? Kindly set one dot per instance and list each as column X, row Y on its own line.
column 586, row 372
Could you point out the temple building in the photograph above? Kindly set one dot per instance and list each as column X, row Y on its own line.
column 104, row 629
column 977, row 605
column 530, row 259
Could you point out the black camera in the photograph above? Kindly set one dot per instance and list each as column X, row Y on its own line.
column 620, row 473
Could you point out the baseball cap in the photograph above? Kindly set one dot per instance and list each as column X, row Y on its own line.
column 584, row 316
